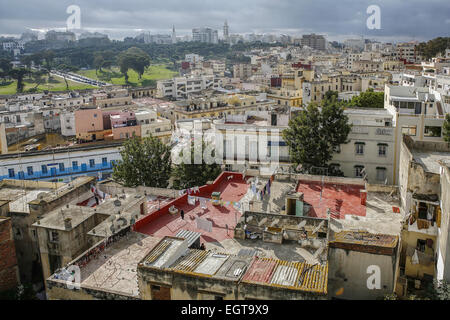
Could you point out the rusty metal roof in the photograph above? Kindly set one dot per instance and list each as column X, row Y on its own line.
column 191, row 261
column 288, row 274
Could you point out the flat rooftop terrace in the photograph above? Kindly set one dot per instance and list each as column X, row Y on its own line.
column 429, row 159
column 114, row 269
column 165, row 224
column 20, row 197
column 344, row 199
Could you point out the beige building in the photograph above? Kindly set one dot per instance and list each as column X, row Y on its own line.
column 423, row 184
column 242, row 71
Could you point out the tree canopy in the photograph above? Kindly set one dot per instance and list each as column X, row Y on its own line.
column 446, row 127
column 145, row 162
column 316, row 133
column 133, row 58
column 368, row 99
column 433, row 47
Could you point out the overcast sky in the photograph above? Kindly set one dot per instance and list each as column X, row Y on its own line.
column 338, row 19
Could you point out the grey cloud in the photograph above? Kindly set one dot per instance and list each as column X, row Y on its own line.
column 399, row 18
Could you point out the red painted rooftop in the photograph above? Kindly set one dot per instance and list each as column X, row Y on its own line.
column 341, row 198
column 161, row 223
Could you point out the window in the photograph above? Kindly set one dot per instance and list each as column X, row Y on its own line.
column 359, row 171
column 382, row 150
column 11, row 173
column 104, row 161
column 54, row 236
column 95, row 115
column 381, row 174
column 359, row 148
column 421, row 245
column 409, row 130
column 61, row 167
column 92, row 163
column 30, row 171
column 432, row 131
column 75, row 165
column 44, row 169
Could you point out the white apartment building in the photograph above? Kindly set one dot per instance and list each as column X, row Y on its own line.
column 13, row 45
column 370, row 151
column 193, row 58
column 406, row 51
column 181, row 87
column 207, row 35
column 151, row 124
column 252, row 141
column 417, row 112
column 67, row 120
column 219, row 68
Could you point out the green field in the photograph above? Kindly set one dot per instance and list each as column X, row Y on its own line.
column 113, row 75
column 54, row 84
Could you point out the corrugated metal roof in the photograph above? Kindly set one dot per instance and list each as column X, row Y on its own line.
column 189, row 236
column 163, row 251
column 260, row 270
column 211, row 264
column 285, row 275
column 189, row 262
column 293, row 275
column 158, row 251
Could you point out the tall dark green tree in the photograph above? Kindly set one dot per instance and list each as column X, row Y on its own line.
column 315, row 134
column 145, row 162
column 133, row 58
column 5, row 68
column 188, row 175
column 446, row 128
column 19, row 75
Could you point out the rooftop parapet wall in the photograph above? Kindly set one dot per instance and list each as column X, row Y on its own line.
column 317, row 178
column 432, row 146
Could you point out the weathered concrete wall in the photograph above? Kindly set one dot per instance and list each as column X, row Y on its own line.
column 347, row 274
column 261, row 292
column 444, row 236
column 152, row 276
column 194, row 288
column 117, row 189
column 9, row 270
column 57, row 290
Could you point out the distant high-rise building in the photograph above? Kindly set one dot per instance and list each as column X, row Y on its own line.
column 174, row 35
column 225, row 32
column 314, row 41
column 207, row 35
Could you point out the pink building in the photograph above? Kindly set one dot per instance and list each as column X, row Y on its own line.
column 88, row 121
column 126, row 132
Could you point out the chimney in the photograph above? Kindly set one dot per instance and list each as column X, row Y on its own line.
column 68, row 223
column 363, row 196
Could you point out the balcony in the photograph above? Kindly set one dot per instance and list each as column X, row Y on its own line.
column 424, row 227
